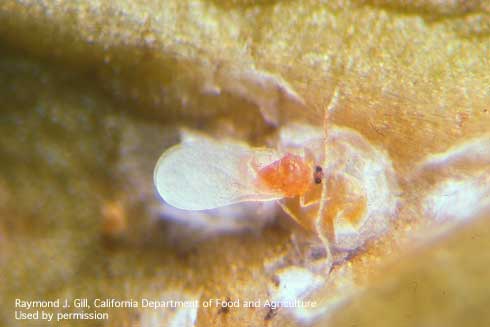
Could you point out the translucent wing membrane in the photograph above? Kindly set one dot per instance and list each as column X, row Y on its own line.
column 202, row 174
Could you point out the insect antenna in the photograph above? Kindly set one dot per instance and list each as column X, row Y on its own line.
column 319, row 224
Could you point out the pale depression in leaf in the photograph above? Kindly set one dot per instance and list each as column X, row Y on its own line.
column 202, row 173
column 456, row 182
column 360, row 190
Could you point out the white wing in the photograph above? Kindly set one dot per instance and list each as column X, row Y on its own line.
column 205, row 174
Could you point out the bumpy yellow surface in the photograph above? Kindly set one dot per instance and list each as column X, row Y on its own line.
column 78, row 77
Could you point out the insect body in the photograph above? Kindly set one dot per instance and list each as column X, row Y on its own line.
column 343, row 191
column 289, row 175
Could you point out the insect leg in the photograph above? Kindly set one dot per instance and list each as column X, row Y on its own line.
column 322, row 234
column 302, row 201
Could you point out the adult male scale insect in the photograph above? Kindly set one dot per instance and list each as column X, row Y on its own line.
column 202, row 174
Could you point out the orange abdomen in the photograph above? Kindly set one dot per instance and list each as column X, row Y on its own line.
column 289, row 175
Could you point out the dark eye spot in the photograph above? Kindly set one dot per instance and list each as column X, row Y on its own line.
column 318, row 175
